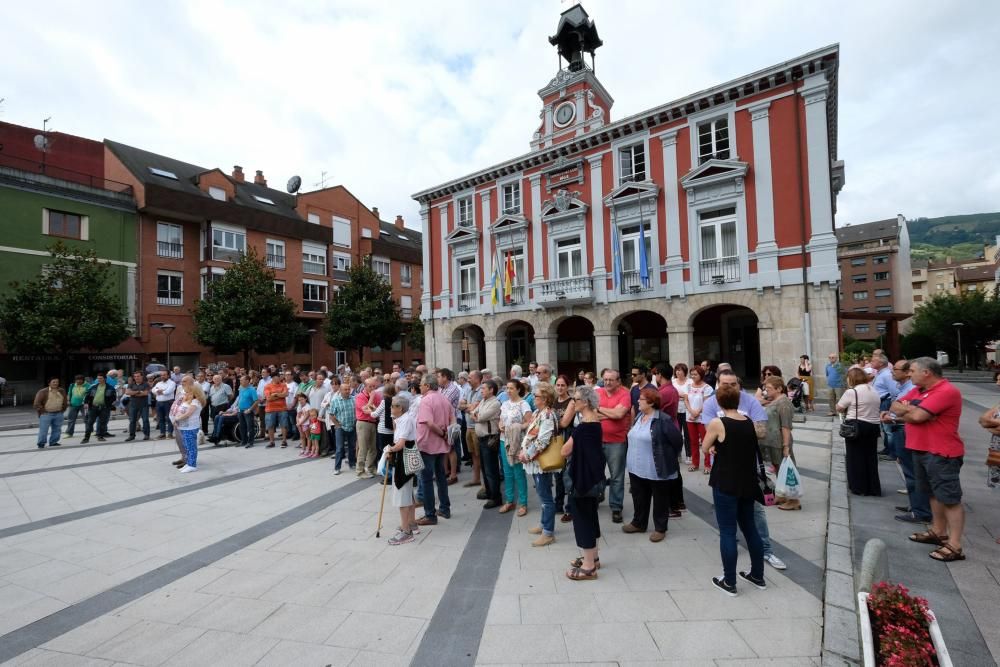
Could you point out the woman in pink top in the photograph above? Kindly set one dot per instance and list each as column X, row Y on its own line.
column 694, row 400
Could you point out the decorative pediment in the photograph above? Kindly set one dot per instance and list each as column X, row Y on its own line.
column 715, row 171
column 632, row 192
column 463, row 235
column 564, row 207
column 508, row 223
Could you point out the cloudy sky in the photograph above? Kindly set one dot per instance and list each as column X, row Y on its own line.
column 389, row 98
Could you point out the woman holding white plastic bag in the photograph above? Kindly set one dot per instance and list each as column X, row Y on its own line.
column 778, row 439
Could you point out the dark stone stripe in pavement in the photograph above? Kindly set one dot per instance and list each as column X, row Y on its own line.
column 70, row 466
column 803, row 572
column 46, row 629
column 131, row 502
column 814, row 474
column 455, row 630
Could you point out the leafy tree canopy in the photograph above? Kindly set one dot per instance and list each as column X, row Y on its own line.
column 978, row 311
column 70, row 306
column 242, row 312
column 415, row 334
column 363, row 313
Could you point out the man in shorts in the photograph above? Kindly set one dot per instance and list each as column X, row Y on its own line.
column 931, row 412
column 275, row 414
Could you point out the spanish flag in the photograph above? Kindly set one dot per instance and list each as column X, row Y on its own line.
column 509, row 276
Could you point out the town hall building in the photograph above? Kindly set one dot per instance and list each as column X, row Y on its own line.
column 699, row 229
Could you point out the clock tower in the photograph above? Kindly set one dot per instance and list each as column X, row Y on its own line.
column 574, row 102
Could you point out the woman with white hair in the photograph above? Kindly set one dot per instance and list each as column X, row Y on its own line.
column 187, row 421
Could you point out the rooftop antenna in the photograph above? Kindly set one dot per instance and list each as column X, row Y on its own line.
column 322, row 180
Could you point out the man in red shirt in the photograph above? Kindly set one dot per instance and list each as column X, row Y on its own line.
column 931, row 412
column 615, row 410
column 434, row 415
column 275, row 414
column 365, row 427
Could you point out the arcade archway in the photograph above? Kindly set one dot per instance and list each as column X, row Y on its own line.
column 469, row 348
column 728, row 334
column 575, row 346
column 642, row 335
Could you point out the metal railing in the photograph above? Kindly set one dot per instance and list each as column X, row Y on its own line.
column 63, row 174
column 170, row 301
column 567, row 288
column 406, row 313
column 220, row 254
column 168, row 249
column 468, row 301
column 632, row 282
column 314, row 268
column 720, row 271
column 276, row 261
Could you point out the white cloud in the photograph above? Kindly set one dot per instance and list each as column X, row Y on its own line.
column 390, row 98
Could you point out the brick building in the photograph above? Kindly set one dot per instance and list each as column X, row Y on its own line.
column 875, row 276
column 701, row 228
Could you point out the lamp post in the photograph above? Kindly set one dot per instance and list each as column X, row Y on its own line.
column 312, row 356
column 168, row 329
column 958, row 333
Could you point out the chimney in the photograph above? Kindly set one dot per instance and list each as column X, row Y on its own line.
column 399, row 222
column 238, row 173
column 259, row 178
column 375, row 212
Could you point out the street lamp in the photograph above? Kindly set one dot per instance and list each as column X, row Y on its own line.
column 312, row 356
column 958, row 333
column 168, row 329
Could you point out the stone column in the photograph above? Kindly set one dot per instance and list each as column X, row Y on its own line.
column 680, row 340
column 536, row 231
column 487, row 271
column 599, row 273
column 605, row 350
column 455, row 356
column 767, row 249
column 493, row 345
column 675, row 258
column 427, row 270
column 823, row 244
column 445, row 261
column 546, row 350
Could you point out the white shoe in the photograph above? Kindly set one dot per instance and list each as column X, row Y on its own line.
column 336, row 472
column 188, row 469
column 775, row 562
column 687, row 460
column 201, row 438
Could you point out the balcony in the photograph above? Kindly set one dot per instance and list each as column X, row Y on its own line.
column 220, row 254
column 406, row 313
column 171, row 250
column 567, row 292
column 314, row 268
column 468, row 302
column 719, row 271
column 632, row 282
column 311, row 306
column 275, row 261
column 341, row 274
column 171, row 300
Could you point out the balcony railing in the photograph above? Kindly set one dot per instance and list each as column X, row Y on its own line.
column 632, row 282
column 468, row 302
column 170, row 300
column 720, row 271
column 172, row 250
column 309, row 306
column 314, row 268
column 220, row 254
column 567, row 292
column 341, row 274
column 276, row 261
column 406, row 313
column 517, row 296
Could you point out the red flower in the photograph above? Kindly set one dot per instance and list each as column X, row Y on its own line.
column 900, row 625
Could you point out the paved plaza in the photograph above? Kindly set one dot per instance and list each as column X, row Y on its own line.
column 108, row 556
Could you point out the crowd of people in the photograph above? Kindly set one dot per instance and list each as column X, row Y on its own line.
column 575, row 440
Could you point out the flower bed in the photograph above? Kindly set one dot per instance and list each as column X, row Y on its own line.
column 899, row 630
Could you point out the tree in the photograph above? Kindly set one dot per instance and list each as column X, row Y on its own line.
column 242, row 312
column 69, row 306
column 415, row 334
column 916, row 344
column 978, row 312
column 363, row 313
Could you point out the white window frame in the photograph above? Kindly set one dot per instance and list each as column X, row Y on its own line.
column 470, row 220
column 468, row 266
column 717, row 223
column 859, row 278
column 315, row 283
column 344, row 225
column 203, row 278
column 312, row 253
column 180, row 235
column 694, row 120
column 514, row 204
column 383, row 267
column 859, row 261
column 341, row 258
column 228, row 229
column 84, row 224
column 216, row 193
column 339, row 358
column 169, row 300
column 568, row 246
column 862, row 328
column 406, row 304
column 280, row 284
column 876, row 275
column 629, row 148
column 283, row 254
column 883, row 293
column 860, row 295
column 405, row 275
column 712, row 124
column 313, row 218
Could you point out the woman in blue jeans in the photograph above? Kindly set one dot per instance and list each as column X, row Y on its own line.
column 537, row 439
column 731, row 439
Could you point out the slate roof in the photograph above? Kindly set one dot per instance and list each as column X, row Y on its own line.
column 389, row 233
column 975, row 274
column 139, row 163
column 869, row 231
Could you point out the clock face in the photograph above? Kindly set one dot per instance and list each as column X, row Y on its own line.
column 565, row 113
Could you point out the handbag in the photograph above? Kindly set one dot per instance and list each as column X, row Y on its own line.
column 551, row 458
column 413, row 462
column 849, row 427
column 763, row 481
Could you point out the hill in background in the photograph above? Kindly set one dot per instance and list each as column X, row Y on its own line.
column 955, row 236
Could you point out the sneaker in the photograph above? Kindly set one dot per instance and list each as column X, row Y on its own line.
column 616, row 517
column 336, row 472
column 188, row 469
column 401, row 537
column 775, row 562
column 130, row 438
column 55, row 444
column 85, row 441
column 759, row 583
column 491, row 504
column 902, row 492
column 687, row 460
column 415, row 529
column 100, row 439
column 728, row 589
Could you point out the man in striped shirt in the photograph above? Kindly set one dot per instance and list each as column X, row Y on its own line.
column 344, row 434
column 453, row 393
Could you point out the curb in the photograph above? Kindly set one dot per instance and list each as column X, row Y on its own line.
column 841, row 643
column 34, row 425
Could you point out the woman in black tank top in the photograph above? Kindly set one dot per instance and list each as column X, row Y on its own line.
column 733, row 441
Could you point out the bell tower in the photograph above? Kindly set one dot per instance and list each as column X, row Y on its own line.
column 574, row 102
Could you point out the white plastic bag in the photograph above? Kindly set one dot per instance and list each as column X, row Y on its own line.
column 789, row 483
column 383, row 463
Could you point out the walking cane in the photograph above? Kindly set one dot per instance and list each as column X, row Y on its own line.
column 381, row 506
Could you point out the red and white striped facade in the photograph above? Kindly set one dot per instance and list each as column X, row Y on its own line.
column 734, row 187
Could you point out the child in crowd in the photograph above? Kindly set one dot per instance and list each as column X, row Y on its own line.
column 315, row 434
column 302, row 421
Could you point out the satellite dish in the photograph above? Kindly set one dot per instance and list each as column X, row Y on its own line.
column 41, row 142
column 294, row 183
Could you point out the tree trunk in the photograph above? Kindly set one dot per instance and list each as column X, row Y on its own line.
column 361, row 357
column 246, row 360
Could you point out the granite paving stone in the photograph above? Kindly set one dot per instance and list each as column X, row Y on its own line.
column 287, row 652
column 699, row 639
column 223, row 648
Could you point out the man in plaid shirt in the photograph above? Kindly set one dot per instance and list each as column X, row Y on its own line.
column 341, row 415
column 451, row 391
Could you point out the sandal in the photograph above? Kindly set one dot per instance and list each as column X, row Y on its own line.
column 566, row 518
column 522, row 511
column 947, row 553
column 692, row 468
column 578, row 562
column 675, row 514
column 579, row 574
column 929, row 537
column 469, row 485
column 707, row 471
column 506, row 508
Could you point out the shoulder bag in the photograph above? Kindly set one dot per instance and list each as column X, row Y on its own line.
column 849, row 427
column 413, row 462
column 763, row 481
